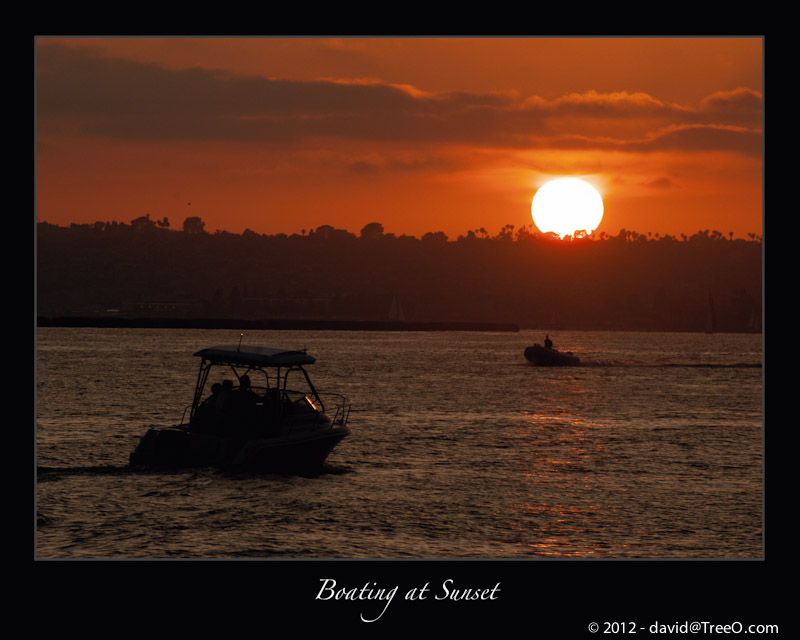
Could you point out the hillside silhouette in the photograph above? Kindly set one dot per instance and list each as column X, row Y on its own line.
column 631, row 281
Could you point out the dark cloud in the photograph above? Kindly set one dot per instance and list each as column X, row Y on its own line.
column 75, row 81
column 661, row 183
column 379, row 165
column 686, row 138
column 124, row 99
column 742, row 107
column 704, row 138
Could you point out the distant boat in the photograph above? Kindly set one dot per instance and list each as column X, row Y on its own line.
column 549, row 357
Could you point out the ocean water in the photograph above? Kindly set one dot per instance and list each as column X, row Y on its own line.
column 459, row 449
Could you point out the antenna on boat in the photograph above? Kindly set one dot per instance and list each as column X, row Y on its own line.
column 241, row 335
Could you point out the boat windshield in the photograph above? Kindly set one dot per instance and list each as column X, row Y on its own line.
column 297, row 387
column 300, row 399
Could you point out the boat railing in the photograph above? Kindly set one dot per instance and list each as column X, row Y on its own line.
column 339, row 411
column 334, row 405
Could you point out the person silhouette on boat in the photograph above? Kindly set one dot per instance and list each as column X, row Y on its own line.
column 245, row 391
column 245, row 401
column 206, row 411
column 223, row 408
column 548, row 343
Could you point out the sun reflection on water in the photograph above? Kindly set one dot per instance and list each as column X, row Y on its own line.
column 562, row 453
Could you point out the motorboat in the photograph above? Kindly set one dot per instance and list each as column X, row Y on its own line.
column 235, row 424
column 549, row 357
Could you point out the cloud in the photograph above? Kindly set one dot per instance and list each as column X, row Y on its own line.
column 661, row 183
column 685, row 138
column 743, row 105
column 610, row 105
column 376, row 165
column 704, row 138
column 129, row 100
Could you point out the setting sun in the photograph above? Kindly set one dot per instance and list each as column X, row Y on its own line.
column 567, row 206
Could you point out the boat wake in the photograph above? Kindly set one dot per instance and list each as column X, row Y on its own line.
column 56, row 473
column 53, row 473
column 691, row 365
column 738, row 365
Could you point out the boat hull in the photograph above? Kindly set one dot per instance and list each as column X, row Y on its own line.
column 544, row 357
column 177, row 447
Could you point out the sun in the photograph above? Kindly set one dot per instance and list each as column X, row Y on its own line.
column 567, row 207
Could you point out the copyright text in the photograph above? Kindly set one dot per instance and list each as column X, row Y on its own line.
column 703, row 627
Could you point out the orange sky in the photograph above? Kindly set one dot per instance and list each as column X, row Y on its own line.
column 419, row 134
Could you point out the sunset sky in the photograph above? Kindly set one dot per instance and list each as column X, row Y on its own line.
column 419, row 134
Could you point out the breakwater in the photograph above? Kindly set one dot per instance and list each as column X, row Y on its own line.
column 268, row 324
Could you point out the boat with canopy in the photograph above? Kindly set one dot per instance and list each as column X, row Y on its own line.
column 276, row 423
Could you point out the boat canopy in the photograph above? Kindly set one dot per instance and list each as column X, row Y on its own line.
column 254, row 356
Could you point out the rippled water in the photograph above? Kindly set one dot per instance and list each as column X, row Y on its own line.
column 459, row 449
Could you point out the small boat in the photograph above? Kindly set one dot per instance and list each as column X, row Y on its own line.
column 549, row 357
column 266, row 427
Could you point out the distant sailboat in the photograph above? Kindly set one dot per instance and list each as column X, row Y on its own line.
column 396, row 310
column 755, row 321
column 710, row 316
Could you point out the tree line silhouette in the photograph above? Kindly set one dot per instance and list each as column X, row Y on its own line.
column 629, row 281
